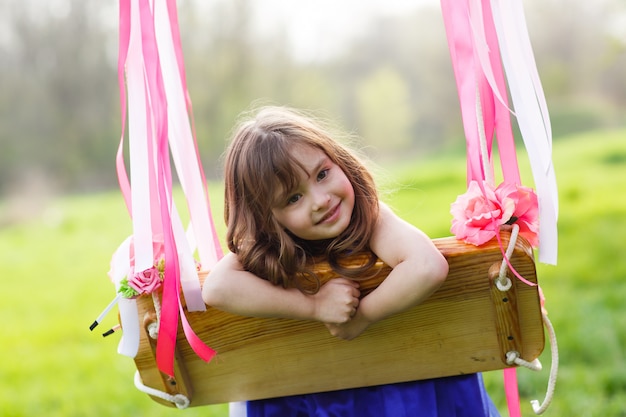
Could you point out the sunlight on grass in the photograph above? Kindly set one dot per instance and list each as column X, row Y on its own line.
column 55, row 284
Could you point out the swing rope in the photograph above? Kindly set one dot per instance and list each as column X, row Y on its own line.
column 554, row 367
column 513, row 358
column 155, row 18
column 153, row 328
column 482, row 140
column 503, row 283
column 180, row 400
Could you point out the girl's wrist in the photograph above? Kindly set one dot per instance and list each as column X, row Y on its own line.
column 315, row 307
column 300, row 306
column 365, row 314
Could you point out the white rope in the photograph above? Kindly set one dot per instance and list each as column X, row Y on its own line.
column 179, row 400
column 482, row 139
column 554, row 367
column 153, row 328
column 513, row 357
column 503, row 282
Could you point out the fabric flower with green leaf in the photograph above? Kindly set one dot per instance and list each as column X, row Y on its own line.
column 144, row 282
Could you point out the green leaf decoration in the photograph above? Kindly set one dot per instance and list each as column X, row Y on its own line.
column 126, row 290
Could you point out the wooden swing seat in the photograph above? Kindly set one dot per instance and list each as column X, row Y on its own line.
column 467, row 326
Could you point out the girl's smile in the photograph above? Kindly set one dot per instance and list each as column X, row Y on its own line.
column 331, row 215
column 320, row 205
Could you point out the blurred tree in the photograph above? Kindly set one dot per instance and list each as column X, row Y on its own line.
column 229, row 69
column 216, row 42
column 59, row 96
column 413, row 47
column 580, row 61
column 384, row 111
column 59, row 107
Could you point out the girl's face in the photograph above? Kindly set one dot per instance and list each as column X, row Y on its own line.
column 320, row 206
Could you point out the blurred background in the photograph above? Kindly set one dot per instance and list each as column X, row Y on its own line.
column 381, row 69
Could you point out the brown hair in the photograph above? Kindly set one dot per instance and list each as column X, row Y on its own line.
column 257, row 163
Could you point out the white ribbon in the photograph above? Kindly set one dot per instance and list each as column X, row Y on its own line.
column 185, row 159
column 532, row 115
column 138, row 147
column 129, row 318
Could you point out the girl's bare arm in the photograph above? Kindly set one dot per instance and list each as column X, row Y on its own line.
column 230, row 288
column 418, row 270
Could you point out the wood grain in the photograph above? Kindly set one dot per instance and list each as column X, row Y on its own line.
column 464, row 327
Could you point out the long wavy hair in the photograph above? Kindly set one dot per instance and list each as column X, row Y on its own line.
column 258, row 166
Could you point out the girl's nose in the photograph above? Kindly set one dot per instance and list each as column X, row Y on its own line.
column 320, row 200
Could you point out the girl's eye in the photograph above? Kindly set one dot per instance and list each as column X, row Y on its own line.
column 323, row 174
column 294, row 199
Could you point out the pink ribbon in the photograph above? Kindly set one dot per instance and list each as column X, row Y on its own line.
column 124, row 41
column 512, row 392
column 479, row 76
column 475, row 54
column 150, row 200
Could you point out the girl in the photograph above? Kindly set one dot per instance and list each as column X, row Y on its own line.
column 292, row 193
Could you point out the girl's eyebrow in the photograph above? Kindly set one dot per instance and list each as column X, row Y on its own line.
column 323, row 160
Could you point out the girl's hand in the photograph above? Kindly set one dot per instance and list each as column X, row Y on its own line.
column 350, row 329
column 337, row 301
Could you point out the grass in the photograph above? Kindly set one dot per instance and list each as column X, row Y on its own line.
column 54, row 284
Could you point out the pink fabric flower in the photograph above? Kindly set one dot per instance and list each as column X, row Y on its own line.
column 149, row 280
column 145, row 281
column 522, row 208
column 478, row 214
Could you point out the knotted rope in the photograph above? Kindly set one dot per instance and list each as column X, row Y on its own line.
column 153, row 328
column 503, row 283
column 180, row 400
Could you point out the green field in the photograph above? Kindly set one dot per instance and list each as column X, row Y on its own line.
column 54, row 284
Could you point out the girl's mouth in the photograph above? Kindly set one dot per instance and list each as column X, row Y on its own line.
column 330, row 215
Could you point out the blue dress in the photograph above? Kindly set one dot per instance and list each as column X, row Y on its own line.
column 456, row 396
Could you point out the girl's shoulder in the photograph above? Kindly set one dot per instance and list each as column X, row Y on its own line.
column 386, row 215
column 395, row 239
